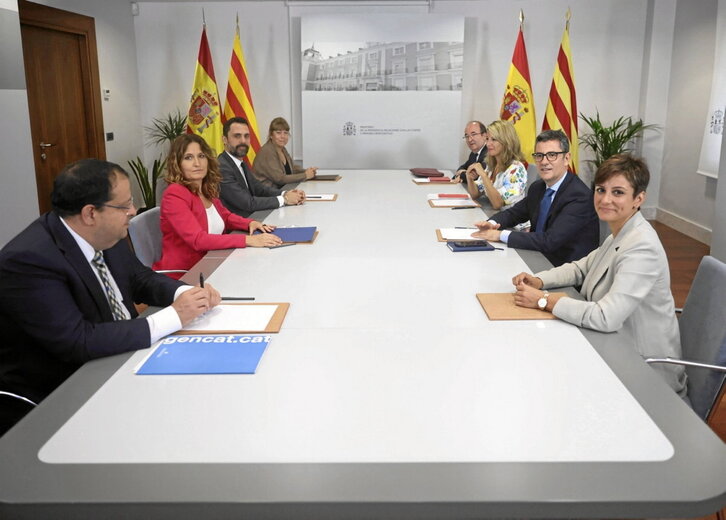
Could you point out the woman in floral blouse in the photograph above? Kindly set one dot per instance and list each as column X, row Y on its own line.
column 505, row 179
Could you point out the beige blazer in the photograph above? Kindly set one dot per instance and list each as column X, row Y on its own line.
column 270, row 170
column 626, row 285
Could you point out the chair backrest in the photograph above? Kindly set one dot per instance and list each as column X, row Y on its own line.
column 703, row 332
column 161, row 185
column 145, row 234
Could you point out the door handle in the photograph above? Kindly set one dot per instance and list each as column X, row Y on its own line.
column 46, row 145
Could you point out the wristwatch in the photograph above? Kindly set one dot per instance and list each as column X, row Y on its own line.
column 542, row 302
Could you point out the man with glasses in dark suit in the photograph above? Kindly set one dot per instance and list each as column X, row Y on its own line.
column 69, row 282
column 564, row 225
column 475, row 136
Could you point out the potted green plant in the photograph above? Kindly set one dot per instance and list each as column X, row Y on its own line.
column 146, row 182
column 606, row 141
column 167, row 128
column 161, row 131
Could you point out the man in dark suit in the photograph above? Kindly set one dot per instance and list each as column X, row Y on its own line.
column 69, row 282
column 563, row 223
column 241, row 192
column 475, row 135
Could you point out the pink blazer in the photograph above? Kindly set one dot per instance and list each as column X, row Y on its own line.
column 185, row 239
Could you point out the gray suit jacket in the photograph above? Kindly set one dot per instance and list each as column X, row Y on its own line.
column 240, row 197
column 626, row 285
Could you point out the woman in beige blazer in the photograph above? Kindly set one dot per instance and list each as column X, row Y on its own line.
column 273, row 166
column 626, row 281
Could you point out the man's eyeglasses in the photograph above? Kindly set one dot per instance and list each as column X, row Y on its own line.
column 473, row 134
column 125, row 208
column 551, row 156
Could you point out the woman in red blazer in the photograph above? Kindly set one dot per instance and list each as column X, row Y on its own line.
column 193, row 220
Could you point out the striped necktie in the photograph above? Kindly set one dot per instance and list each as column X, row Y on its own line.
column 100, row 264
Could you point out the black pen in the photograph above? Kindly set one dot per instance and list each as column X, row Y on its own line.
column 238, row 298
column 313, row 196
column 464, row 207
column 201, row 280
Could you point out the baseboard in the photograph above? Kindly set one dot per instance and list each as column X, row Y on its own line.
column 685, row 226
column 650, row 213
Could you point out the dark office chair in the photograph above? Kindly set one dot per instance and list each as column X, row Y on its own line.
column 13, row 407
column 703, row 336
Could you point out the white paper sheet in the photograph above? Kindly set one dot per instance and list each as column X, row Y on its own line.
column 458, row 233
column 444, row 203
column 246, row 318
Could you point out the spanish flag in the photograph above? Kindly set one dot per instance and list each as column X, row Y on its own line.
column 518, row 104
column 238, row 102
column 205, row 113
column 561, row 110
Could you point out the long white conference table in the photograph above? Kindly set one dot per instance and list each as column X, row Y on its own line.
column 387, row 394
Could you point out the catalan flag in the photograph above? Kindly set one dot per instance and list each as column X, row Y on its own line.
column 238, row 102
column 561, row 110
column 518, row 104
column 205, row 112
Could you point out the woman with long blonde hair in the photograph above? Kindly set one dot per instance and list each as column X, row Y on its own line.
column 505, row 179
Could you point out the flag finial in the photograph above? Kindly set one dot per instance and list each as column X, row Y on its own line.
column 204, row 20
column 568, row 15
column 521, row 17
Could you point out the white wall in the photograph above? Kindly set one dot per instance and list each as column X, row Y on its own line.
column 167, row 39
column 117, row 71
column 19, row 199
column 622, row 51
column 607, row 39
column 686, row 199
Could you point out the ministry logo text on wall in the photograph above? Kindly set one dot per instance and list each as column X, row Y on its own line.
column 350, row 129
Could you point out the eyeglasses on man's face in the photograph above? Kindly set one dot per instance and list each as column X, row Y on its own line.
column 128, row 207
column 471, row 135
column 551, row 156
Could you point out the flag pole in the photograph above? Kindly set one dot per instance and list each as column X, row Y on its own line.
column 568, row 15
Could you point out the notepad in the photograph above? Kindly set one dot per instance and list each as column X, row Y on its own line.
column 452, row 203
column 449, row 234
column 333, row 177
column 237, row 318
column 501, row 306
column 432, row 180
column 206, row 354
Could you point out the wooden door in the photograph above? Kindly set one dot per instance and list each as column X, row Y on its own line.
column 64, row 95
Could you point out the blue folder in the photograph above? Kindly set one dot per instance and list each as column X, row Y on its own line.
column 295, row 234
column 206, row 354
